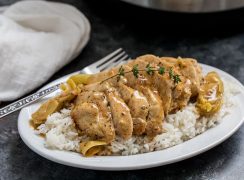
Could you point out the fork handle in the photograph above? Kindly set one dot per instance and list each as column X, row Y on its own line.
column 26, row 100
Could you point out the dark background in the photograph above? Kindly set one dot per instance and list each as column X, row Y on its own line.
column 216, row 39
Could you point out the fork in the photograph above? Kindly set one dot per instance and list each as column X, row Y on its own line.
column 113, row 59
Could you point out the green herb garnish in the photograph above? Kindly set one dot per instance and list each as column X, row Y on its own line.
column 135, row 70
column 173, row 76
column 161, row 70
column 176, row 79
column 121, row 71
column 149, row 69
column 171, row 73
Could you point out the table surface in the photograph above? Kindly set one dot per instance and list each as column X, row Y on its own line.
column 216, row 39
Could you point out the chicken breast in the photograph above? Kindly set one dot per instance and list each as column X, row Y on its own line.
column 155, row 112
column 129, row 104
column 161, row 83
column 138, row 106
column 93, row 115
column 189, row 68
column 121, row 115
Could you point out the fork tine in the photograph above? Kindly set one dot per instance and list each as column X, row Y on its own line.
column 115, row 63
column 121, row 61
column 109, row 62
column 115, row 58
column 107, row 58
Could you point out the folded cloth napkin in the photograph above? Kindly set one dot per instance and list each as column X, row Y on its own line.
column 37, row 38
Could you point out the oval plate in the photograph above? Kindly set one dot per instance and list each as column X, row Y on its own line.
column 201, row 143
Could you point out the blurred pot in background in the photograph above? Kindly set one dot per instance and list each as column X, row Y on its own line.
column 197, row 6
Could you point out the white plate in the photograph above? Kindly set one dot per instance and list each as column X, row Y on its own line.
column 197, row 145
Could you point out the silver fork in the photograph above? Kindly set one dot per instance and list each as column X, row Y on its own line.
column 113, row 59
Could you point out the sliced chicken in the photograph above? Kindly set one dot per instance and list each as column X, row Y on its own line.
column 93, row 115
column 121, row 115
column 155, row 115
column 155, row 112
column 138, row 105
column 181, row 92
column 161, row 83
column 189, row 68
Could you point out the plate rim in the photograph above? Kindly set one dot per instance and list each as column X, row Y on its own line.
column 145, row 165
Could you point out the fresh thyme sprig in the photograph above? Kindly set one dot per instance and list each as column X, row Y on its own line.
column 176, row 79
column 149, row 70
column 173, row 76
column 120, row 73
column 161, row 70
column 171, row 73
column 135, row 70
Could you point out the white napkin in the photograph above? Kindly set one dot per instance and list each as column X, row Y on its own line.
column 37, row 38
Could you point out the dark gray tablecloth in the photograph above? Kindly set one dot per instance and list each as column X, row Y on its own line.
column 214, row 39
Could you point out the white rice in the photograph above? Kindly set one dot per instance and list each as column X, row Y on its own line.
column 60, row 132
column 185, row 124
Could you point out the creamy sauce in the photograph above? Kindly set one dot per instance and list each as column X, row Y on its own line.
column 122, row 103
column 188, row 82
column 32, row 125
column 212, row 94
column 99, row 114
column 152, row 97
column 42, row 135
column 94, row 106
column 142, row 80
column 137, row 95
column 123, row 79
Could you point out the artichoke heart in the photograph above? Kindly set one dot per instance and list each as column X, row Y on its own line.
column 80, row 78
column 210, row 97
column 91, row 148
column 74, row 82
column 51, row 106
column 70, row 91
column 46, row 109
